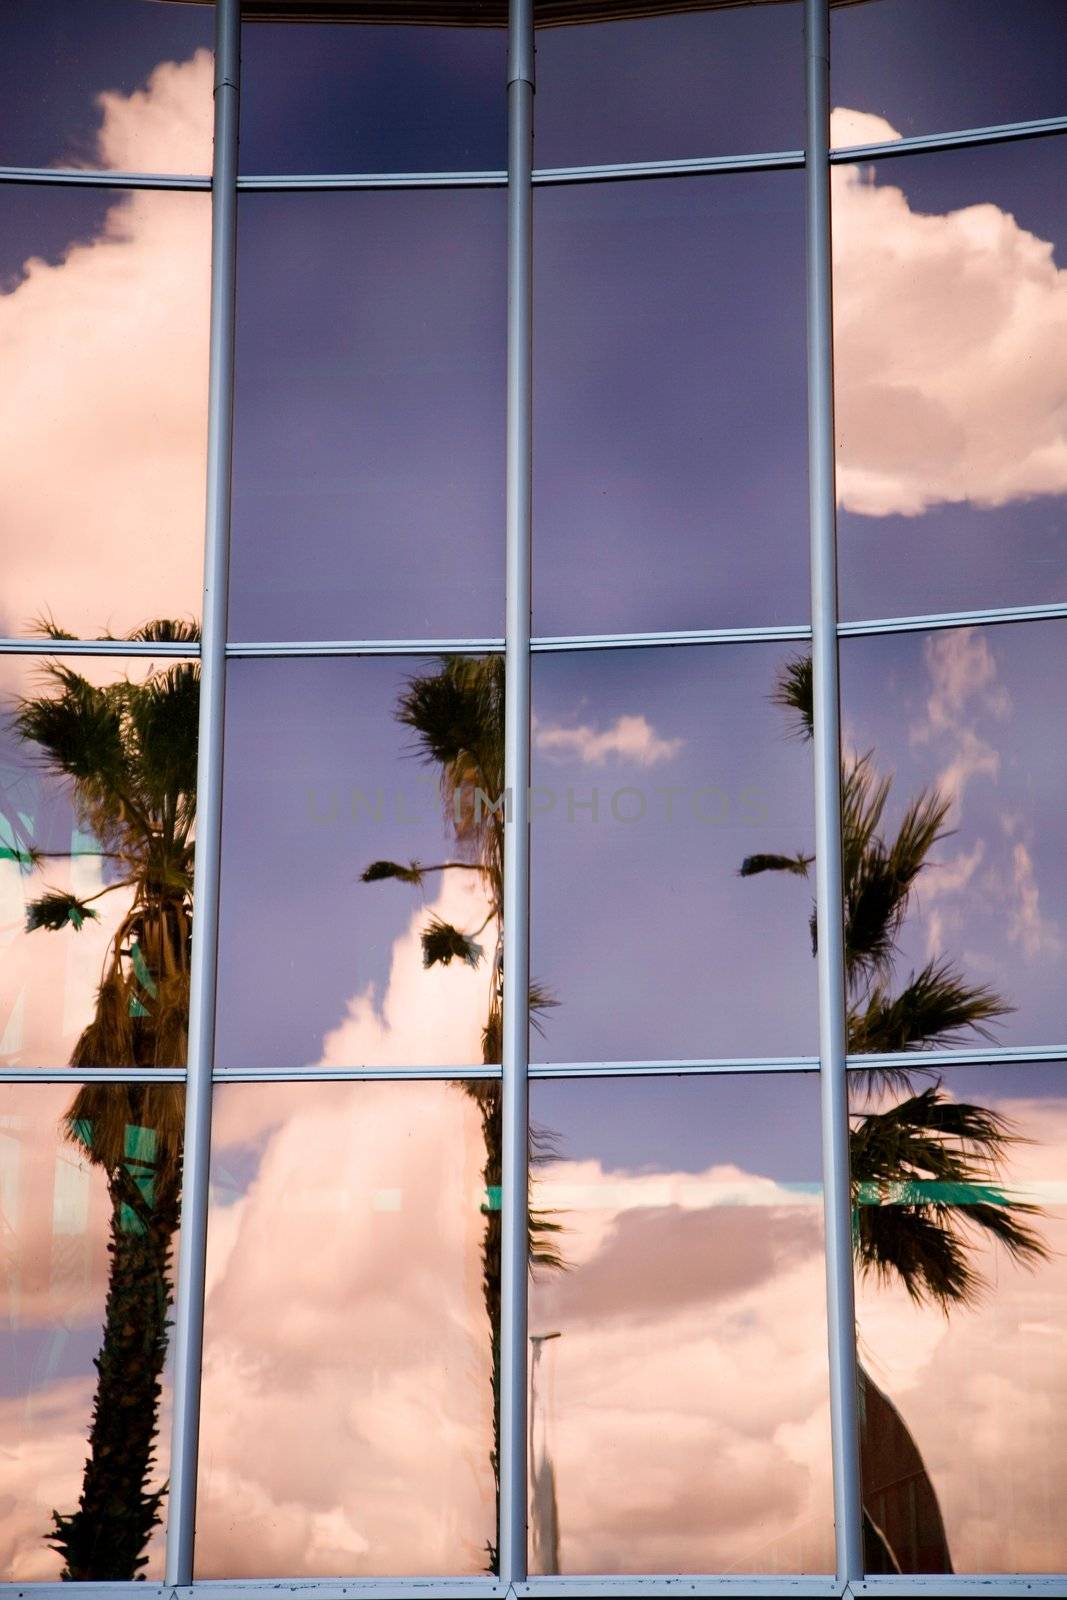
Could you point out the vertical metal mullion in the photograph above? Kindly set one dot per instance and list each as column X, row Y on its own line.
column 189, row 1313
column 515, row 1107
column 841, row 1324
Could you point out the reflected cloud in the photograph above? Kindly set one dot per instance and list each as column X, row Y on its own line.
column 948, row 328
column 421, row 1014
column 681, row 1350
column 630, row 737
column 353, row 1424
column 106, row 369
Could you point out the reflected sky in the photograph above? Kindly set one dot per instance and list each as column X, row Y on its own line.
column 49, row 977
column 978, row 714
column 369, row 431
column 669, row 87
column 950, row 300
column 981, row 1388
column 322, row 98
column 934, row 65
column 679, row 1415
column 315, row 965
column 670, row 477
column 347, row 1421
column 642, row 928
column 63, row 64
column 103, row 320
column 56, row 1214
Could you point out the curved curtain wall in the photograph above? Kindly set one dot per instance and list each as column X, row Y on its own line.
column 264, row 947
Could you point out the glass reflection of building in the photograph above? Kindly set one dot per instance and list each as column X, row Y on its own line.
column 265, row 921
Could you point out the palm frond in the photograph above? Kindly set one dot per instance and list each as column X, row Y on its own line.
column 797, row 865
column 794, row 692
column 924, row 1177
column 167, row 630
column 937, row 1007
column 443, row 942
column 56, row 910
column 379, row 870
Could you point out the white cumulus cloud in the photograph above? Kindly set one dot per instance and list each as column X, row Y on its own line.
column 949, row 337
column 629, row 738
column 104, row 401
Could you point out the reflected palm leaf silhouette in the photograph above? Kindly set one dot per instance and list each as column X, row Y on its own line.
column 128, row 754
column 457, row 715
column 925, row 1169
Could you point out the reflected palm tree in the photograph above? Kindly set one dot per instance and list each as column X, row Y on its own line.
column 925, row 1169
column 457, row 715
column 128, row 754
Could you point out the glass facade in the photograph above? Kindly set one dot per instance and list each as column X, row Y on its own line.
column 532, row 1049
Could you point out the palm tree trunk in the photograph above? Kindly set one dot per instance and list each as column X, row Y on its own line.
column 106, row 1536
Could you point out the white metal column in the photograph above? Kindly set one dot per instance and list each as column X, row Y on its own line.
column 829, row 893
column 515, row 1109
column 189, row 1315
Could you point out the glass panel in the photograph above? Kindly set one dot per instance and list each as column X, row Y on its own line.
column 361, row 870
column 949, row 294
column 121, row 84
column 961, row 1305
column 679, row 1412
column 347, row 1426
column 929, row 66
column 103, row 322
column 369, row 457
column 90, row 1179
column 97, row 810
column 955, row 768
column 670, row 485
column 661, row 780
column 357, row 98
column 669, row 87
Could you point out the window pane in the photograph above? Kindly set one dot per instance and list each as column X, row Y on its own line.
column 929, row 66
column 120, row 84
column 956, row 895
column 670, row 467
column 103, row 322
column 97, row 811
column 348, row 1366
column 352, row 98
column 679, row 1413
column 369, row 456
column 662, row 780
column 962, row 1438
column 361, row 872
column 669, row 87
column 90, row 1180
column 949, row 296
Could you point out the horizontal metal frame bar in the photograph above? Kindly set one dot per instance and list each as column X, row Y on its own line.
column 305, row 183
column 692, row 167
column 611, row 172
column 242, row 649
column 930, row 1060
column 97, row 178
column 97, row 647
column 352, row 1074
column 780, row 1587
column 339, row 1589
column 959, row 1586
column 613, row 1587
column 545, row 644
column 953, row 619
column 670, row 1069
column 915, row 1060
column 72, row 1075
column 1000, row 133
